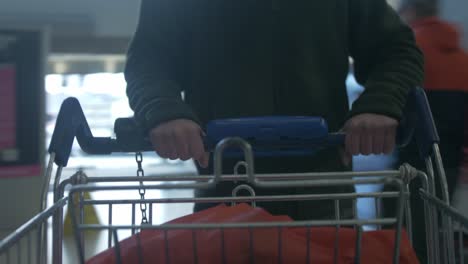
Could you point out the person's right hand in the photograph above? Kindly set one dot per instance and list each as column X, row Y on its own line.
column 180, row 139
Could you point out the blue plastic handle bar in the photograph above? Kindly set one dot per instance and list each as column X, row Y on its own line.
column 418, row 124
column 268, row 135
column 271, row 136
column 283, row 148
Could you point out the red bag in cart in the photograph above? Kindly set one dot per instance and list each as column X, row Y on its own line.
column 376, row 246
column 260, row 245
column 181, row 244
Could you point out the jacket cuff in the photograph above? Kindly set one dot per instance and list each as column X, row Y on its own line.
column 163, row 110
column 382, row 101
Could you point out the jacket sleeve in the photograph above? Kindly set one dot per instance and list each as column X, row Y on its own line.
column 154, row 69
column 387, row 61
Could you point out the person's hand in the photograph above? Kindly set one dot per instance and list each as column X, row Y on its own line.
column 180, row 139
column 370, row 134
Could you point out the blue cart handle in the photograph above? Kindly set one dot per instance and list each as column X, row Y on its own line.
column 71, row 123
column 418, row 124
column 336, row 139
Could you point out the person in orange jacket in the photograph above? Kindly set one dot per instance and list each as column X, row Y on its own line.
column 446, row 63
column 446, row 85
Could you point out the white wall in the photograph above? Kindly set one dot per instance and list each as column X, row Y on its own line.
column 109, row 18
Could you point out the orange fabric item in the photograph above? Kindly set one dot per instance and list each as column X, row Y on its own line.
column 129, row 248
column 376, row 246
column 262, row 245
column 446, row 63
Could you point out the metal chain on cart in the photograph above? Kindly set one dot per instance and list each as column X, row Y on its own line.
column 141, row 190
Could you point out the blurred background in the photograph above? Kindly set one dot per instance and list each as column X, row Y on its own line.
column 79, row 51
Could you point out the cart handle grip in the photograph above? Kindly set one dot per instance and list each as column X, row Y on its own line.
column 418, row 123
column 72, row 123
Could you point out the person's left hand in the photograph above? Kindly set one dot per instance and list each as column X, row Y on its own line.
column 370, row 134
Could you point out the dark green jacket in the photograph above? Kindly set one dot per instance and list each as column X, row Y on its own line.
column 236, row 58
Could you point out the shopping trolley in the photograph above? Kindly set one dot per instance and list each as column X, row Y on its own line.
column 250, row 139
